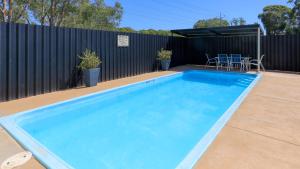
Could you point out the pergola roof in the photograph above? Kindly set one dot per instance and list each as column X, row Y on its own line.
column 220, row 31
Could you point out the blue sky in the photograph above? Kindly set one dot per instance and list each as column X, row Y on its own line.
column 177, row 14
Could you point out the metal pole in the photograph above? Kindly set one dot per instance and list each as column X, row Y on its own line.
column 258, row 49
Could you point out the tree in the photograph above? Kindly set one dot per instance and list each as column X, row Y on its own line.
column 95, row 15
column 238, row 21
column 213, row 22
column 126, row 29
column 156, row 32
column 295, row 17
column 14, row 11
column 52, row 12
column 276, row 19
column 92, row 14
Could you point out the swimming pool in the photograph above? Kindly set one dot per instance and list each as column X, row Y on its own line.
column 166, row 122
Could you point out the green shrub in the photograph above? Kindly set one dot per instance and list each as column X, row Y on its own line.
column 164, row 54
column 89, row 60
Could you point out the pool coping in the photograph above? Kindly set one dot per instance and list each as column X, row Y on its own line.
column 50, row 160
column 45, row 156
column 195, row 154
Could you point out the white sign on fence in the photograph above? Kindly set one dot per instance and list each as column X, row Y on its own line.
column 123, row 41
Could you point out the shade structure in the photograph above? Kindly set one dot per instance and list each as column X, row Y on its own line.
column 219, row 31
column 243, row 30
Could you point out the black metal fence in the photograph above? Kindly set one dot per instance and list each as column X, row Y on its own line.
column 281, row 52
column 197, row 47
column 41, row 59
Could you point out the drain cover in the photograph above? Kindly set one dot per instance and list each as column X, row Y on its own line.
column 16, row 160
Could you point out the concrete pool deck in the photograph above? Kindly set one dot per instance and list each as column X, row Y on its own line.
column 263, row 132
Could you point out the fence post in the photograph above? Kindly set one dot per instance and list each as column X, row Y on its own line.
column 258, row 49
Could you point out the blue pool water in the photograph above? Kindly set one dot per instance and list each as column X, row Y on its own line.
column 153, row 124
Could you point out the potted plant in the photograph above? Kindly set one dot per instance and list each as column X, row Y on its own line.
column 89, row 65
column 164, row 56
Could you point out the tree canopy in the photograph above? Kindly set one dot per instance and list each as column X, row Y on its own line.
column 295, row 16
column 87, row 14
column 96, row 15
column 276, row 19
column 126, row 29
column 213, row 22
column 14, row 11
column 156, row 32
column 71, row 13
column 52, row 12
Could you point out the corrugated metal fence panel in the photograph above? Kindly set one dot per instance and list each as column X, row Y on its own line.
column 281, row 52
column 3, row 63
column 246, row 45
column 41, row 59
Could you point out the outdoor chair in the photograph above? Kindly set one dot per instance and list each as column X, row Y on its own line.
column 235, row 60
column 210, row 60
column 222, row 60
column 256, row 62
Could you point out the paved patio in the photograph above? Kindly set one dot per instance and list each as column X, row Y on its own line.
column 263, row 133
